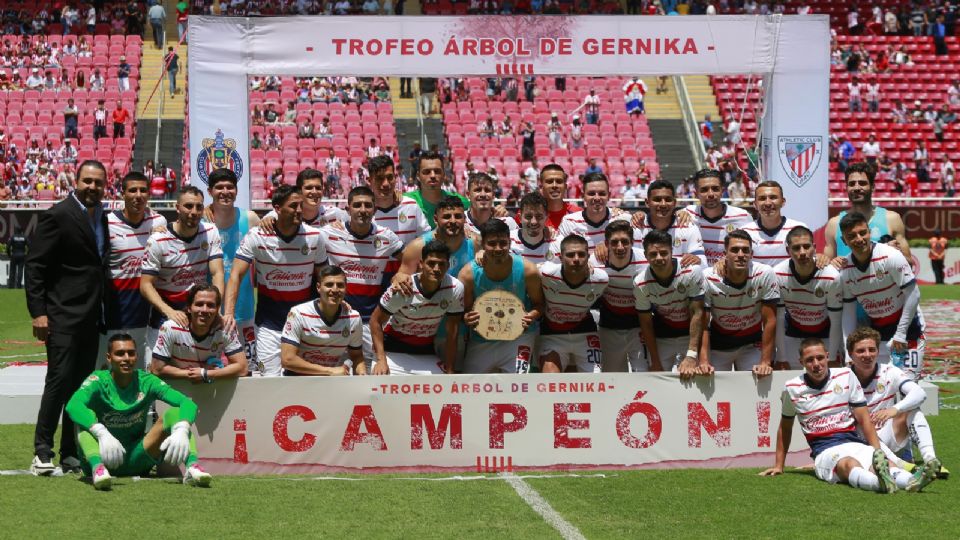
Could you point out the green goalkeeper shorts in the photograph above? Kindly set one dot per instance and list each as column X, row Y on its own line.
column 136, row 462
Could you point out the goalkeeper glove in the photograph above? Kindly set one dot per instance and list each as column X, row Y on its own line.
column 176, row 447
column 111, row 451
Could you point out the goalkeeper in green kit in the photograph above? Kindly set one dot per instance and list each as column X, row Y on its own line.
column 110, row 410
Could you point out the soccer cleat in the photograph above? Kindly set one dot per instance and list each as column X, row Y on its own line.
column 943, row 473
column 197, row 477
column 70, row 465
column 101, row 478
column 882, row 468
column 41, row 466
column 926, row 474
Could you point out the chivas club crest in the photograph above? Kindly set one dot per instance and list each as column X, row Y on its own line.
column 218, row 153
column 800, row 157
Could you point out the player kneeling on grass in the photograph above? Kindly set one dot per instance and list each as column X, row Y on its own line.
column 196, row 352
column 830, row 405
column 110, row 410
column 893, row 399
column 405, row 345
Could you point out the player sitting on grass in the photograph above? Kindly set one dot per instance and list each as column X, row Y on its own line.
column 831, row 406
column 893, row 399
column 110, row 411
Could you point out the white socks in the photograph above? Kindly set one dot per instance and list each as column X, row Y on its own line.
column 861, row 478
column 920, row 434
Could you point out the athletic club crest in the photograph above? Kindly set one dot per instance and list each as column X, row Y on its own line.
column 800, row 157
column 218, row 153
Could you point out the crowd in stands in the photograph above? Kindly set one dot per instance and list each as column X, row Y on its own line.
column 100, row 17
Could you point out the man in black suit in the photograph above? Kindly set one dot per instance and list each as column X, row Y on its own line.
column 65, row 282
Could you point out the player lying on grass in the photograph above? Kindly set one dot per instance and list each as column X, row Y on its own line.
column 831, row 406
column 110, row 411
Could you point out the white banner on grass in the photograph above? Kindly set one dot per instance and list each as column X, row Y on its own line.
column 924, row 269
column 487, row 422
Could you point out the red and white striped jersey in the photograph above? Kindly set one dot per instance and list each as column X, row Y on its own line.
column 415, row 320
column 825, row 410
column 577, row 223
column 807, row 303
column 567, row 307
column 471, row 228
column 178, row 346
column 617, row 304
column 328, row 214
column 669, row 301
column 369, row 262
column 770, row 247
column 405, row 219
column 878, row 287
column 179, row 263
column 882, row 389
column 285, row 269
column 125, row 306
column 686, row 239
column 537, row 254
column 714, row 231
column 319, row 341
column 735, row 310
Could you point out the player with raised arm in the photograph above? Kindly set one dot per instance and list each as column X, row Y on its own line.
column 110, row 411
column 480, row 190
column 532, row 239
column 619, row 328
column 324, row 336
column 125, row 309
column 568, row 335
column 742, row 312
column 668, row 298
column 830, row 406
column 501, row 270
column 400, row 214
column 879, row 278
column 313, row 212
column 811, row 301
column 662, row 216
column 187, row 253
column 591, row 222
column 403, row 327
column 368, row 253
column 286, row 260
column 715, row 218
column 770, row 231
column 196, row 352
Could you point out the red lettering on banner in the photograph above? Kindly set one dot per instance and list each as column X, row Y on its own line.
column 698, row 417
column 562, row 424
column 639, row 46
column 654, row 424
column 450, row 415
column 497, row 424
column 469, row 47
column 280, row 434
column 338, row 43
column 373, row 435
column 763, row 424
column 240, row 441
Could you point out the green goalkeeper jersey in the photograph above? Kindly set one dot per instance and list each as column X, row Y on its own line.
column 124, row 410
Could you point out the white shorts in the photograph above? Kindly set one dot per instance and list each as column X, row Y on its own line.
column 268, row 353
column 139, row 337
column 791, row 352
column 367, row 350
column 742, row 358
column 582, row 350
column 888, row 436
column 621, row 349
column 248, row 338
column 914, row 362
column 149, row 343
column 500, row 356
column 440, row 347
column 668, row 349
column 413, row 364
column 826, row 462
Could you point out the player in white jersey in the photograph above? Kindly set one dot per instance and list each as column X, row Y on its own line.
column 742, row 308
column 715, row 218
column 811, row 301
column 880, row 279
column 401, row 215
column 830, row 406
column 125, row 309
column 568, row 335
column 197, row 352
column 285, row 262
column 619, row 328
column 893, row 399
column 324, row 336
column 531, row 240
column 368, row 253
column 403, row 327
column 770, row 232
column 669, row 301
column 592, row 221
column 187, row 253
column 480, row 191
column 662, row 216
column 315, row 213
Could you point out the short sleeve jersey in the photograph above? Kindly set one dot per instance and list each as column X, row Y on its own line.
column 405, row 219
column 415, row 320
column 369, row 261
column 320, row 341
column 824, row 410
column 686, row 239
column 471, row 228
column 884, row 386
column 807, row 303
column 669, row 301
column 878, row 287
column 735, row 309
column 180, row 347
column 568, row 307
column 125, row 306
column 714, row 231
column 578, row 223
column 537, row 254
column 617, row 305
column 770, row 246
